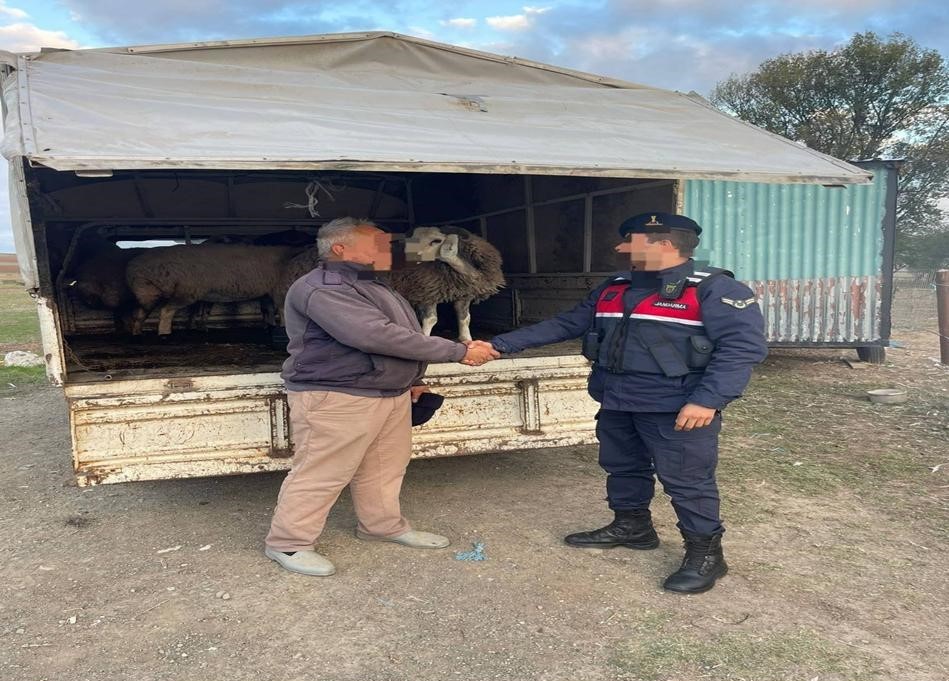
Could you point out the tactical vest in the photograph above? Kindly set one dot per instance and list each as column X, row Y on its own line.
column 658, row 332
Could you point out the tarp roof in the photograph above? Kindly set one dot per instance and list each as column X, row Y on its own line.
column 375, row 101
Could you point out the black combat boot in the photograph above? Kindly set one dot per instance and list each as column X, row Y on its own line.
column 632, row 529
column 702, row 565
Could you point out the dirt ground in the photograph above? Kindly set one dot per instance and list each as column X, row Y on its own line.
column 837, row 536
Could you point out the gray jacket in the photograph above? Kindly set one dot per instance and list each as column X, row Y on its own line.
column 350, row 332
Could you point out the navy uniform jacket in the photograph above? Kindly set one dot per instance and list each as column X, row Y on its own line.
column 727, row 316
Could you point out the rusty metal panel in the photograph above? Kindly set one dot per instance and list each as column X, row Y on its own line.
column 831, row 310
column 148, row 429
column 814, row 255
column 123, row 429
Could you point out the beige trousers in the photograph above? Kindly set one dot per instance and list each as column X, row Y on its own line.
column 339, row 440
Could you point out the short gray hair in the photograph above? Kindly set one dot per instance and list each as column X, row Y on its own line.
column 338, row 231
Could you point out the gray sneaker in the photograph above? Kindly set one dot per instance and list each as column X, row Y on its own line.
column 412, row 539
column 304, row 562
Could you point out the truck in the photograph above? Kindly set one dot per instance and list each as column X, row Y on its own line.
column 147, row 146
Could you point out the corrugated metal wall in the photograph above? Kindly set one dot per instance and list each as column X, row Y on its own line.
column 813, row 255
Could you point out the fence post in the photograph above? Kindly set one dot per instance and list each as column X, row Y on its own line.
column 942, row 309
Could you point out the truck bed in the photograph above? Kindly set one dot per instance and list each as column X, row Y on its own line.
column 104, row 358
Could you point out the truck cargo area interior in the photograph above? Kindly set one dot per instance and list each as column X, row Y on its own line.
column 555, row 235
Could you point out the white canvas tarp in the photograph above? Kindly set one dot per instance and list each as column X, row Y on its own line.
column 376, row 102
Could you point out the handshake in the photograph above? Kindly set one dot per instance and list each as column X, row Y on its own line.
column 479, row 352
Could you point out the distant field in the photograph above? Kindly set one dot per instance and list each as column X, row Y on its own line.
column 19, row 326
column 9, row 270
column 19, row 330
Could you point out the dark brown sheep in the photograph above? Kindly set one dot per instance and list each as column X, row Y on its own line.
column 98, row 277
column 457, row 267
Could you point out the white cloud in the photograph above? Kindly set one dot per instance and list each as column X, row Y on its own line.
column 517, row 22
column 460, row 22
column 621, row 46
column 23, row 37
column 14, row 12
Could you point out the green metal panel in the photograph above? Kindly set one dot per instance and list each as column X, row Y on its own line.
column 791, row 231
column 816, row 257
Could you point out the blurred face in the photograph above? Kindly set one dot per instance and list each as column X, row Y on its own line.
column 647, row 255
column 368, row 246
column 424, row 244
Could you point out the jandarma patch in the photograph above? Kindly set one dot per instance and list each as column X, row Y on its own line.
column 674, row 306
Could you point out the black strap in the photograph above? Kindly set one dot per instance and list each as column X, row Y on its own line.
column 614, row 357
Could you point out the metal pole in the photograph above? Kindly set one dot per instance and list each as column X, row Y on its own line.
column 531, row 235
column 942, row 309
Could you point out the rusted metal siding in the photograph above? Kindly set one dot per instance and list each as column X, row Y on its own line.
column 820, row 310
column 815, row 256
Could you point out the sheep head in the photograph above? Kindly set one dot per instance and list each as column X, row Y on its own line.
column 425, row 244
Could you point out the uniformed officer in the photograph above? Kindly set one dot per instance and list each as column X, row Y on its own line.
column 671, row 346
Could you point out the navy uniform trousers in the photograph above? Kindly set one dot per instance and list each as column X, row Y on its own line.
column 638, row 447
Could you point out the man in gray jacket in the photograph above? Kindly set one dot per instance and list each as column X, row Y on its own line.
column 357, row 356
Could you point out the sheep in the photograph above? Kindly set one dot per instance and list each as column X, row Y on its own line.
column 99, row 278
column 456, row 267
column 177, row 276
column 453, row 265
column 299, row 266
column 287, row 237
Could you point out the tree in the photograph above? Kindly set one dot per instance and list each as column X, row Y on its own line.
column 924, row 252
column 871, row 98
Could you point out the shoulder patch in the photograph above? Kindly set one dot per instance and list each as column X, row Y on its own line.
column 740, row 304
column 332, row 278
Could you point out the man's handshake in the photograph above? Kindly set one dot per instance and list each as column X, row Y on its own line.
column 479, row 352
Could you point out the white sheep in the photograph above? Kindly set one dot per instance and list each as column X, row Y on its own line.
column 178, row 276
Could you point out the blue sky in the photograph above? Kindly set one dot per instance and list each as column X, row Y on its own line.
column 676, row 44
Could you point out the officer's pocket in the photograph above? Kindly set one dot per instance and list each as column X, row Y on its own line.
column 700, row 351
column 595, row 385
column 668, row 431
column 696, row 450
column 591, row 345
